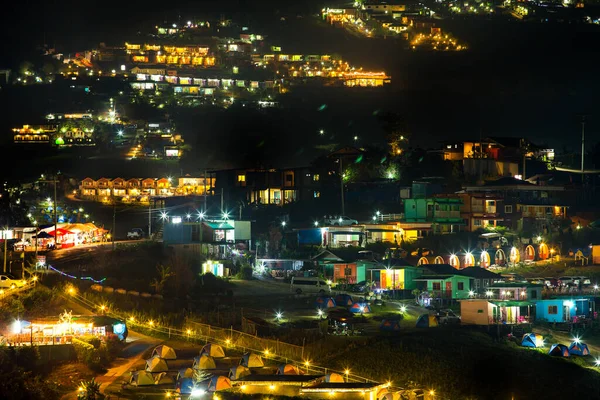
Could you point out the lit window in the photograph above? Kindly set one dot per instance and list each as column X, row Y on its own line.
column 316, row 177
column 241, row 178
column 316, row 194
column 508, row 209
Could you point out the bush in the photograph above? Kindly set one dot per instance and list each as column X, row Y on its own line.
column 245, row 273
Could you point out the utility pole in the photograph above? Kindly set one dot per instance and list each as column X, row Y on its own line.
column 205, row 190
column 4, row 238
column 342, row 186
column 114, row 220
column 55, row 181
column 149, row 219
column 582, row 147
column 222, row 210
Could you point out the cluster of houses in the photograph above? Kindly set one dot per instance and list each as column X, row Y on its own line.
column 486, row 298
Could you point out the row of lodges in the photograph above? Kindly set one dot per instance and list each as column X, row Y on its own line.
column 140, row 190
column 49, row 134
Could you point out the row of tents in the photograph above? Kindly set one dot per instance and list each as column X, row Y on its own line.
column 576, row 348
column 342, row 300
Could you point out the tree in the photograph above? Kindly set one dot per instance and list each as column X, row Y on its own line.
column 89, row 390
column 416, row 293
column 164, row 273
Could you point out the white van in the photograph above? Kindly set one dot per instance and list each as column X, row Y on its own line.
column 311, row 285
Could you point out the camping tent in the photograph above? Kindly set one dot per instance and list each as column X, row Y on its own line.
column 156, row 364
column 184, row 386
column 325, row 302
column 389, row 325
column 288, row 369
column 559, row 350
column 334, row 378
column 219, row 383
column 204, row 362
column 579, row 349
column 427, row 321
column 344, row 300
column 531, row 340
column 165, row 352
column 251, row 360
column 163, row 379
column 360, row 308
column 392, row 396
column 213, row 350
column 238, row 372
column 141, row 378
column 185, row 373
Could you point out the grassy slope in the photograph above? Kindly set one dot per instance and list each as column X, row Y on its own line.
column 461, row 364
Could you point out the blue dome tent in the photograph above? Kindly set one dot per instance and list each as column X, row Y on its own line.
column 325, row 302
column 344, row 300
column 360, row 308
column 531, row 340
column 185, row 386
column 579, row 349
column 559, row 350
column 389, row 325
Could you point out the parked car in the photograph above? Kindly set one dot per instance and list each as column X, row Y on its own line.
column 135, row 233
column 447, row 317
column 6, row 282
column 340, row 221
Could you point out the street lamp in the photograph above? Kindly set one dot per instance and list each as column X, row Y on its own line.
column 347, row 372
column 316, row 223
column 471, row 293
column 225, row 215
column 283, row 223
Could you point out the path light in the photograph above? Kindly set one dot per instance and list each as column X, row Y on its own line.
column 471, row 293
column 278, row 315
column 576, row 339
column 320, row 312
column 197, row 393
column 432, row 392
column 266, row 352
column 595, row 287
column 597, row 362
column 151, row 323
column 489, row 293
column 227, row 341
column 35, row 278
column 102, row 307
column 403, row 309
column 71, row 290
column 189, row 331
column 316, row 223
column 132, row 318
column 163, row 215
column 283, row 223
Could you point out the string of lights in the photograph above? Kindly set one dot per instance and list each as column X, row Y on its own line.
column 87, row 278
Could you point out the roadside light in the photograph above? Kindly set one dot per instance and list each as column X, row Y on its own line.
column 228, row 341
column 132, row 318
column 576, row 339
column 320, row 312
column 321, row 131
column 489, row 293
column 151, row 323
column 201, row 215
column 102, row 307
column 189, row 331
column 316, row 223
column 597, row 362
column 471, row 293
column 35, row 278
column 307, row 363
column 283, row 223
column 71, row 290
column 163, row 215
column 374, row 218
column 432, row 392
column 225, row 215
column 403, row 309
column 266, row 352
column 278, row 315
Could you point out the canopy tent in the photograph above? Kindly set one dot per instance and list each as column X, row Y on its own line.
column 238, row 372
column 532, row 340
column 251, row 360
column 579, row 349
column 156, row 364
column 360, row 308
column 426, row 321
column 324, row 302
column 60, row 232
column 204, row 362
column 184, row 386
column 165, row 352
column 163, row 379
column 213, row 350
column 389, row 325
column 42, row 235
column 288, row 369
column 334, row 378
column 141, row 378
column 559, row 350
column 344, row 300
column 218, row 383
column 185, row 373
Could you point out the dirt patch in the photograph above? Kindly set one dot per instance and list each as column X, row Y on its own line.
column 67, row 377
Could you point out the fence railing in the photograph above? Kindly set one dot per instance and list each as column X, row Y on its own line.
column 270, row 349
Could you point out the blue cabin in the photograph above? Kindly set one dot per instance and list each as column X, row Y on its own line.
column 564, row 310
